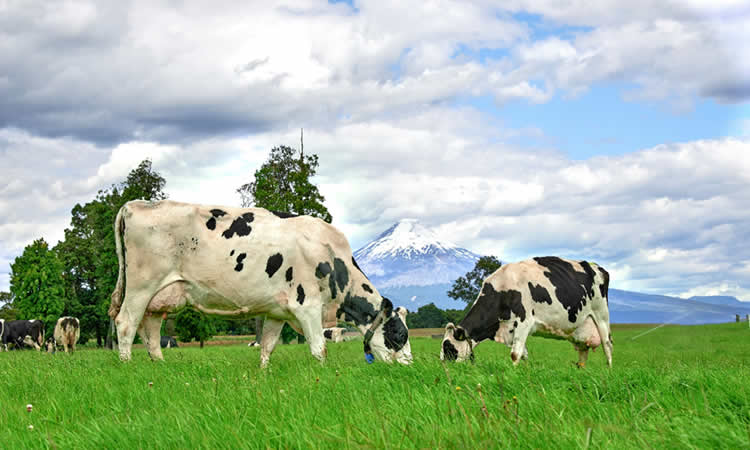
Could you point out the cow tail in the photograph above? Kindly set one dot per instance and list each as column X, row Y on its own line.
column 114, row 306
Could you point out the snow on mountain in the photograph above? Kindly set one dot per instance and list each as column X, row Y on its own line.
column 410, row 254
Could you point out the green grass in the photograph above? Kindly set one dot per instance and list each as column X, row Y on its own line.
column 675, row 387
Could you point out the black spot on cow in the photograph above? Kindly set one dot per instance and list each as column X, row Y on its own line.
column 449, row 351
column 289, row 274
column 218, row 213
column 539, row 294
column 367, row 288
column 395, row 334
column 604, row 287
column 483, row 320
column 322, row 270
column 515, row 324
column 328, row 334
column 273, row 264
column 340, row 273
column 240, row 226
column 211, row 224
column 239, row 265
column 69, row 322
column 300, row 294
column 231, row 253
column 284, row 215
column 572, row 288
column 356, row 309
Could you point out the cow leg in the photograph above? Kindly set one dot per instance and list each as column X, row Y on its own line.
column 65, row 344
column 604, row 334
column 271, row 332
column 150, row 332
column 518, row 349
column 583, row 354
column 128, row 321
column 310, row 318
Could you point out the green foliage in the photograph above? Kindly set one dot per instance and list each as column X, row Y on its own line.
column 288, row 335
column 191, row 324
column 37, row 284
column 8, row 312
column 673, row 388
column 467, row 287
column 283, row 184
column 427, row 316
column 88, row 250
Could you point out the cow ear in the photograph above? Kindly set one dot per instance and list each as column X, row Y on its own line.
column 387, row 307
column 459, row 334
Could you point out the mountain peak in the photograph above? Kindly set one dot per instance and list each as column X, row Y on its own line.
column 405, row 236
column 409, row 253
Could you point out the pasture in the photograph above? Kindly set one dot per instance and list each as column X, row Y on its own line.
column 673, row 387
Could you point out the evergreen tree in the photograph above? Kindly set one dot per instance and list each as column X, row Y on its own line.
column 36, row 283
column 467, row 287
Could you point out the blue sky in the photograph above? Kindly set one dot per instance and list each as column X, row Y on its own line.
column 612, row 131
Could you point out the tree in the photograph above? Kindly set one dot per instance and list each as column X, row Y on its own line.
column 88, row 250
column 191, row 324
column 283, row 184
column 36, row 283
column 8, row 312
column 467, row 287
column 427, row 316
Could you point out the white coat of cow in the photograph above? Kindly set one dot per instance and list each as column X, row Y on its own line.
column 244, row 262
column 548, row 294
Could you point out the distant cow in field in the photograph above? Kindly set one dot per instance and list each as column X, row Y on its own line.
column 67, row 331
column 23, row 333
column 168, row 342
column 2, row 332
column 550, row 294
column 335, row 334
column 245, row 262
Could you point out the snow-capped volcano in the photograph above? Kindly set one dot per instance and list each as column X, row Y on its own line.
column 410, row 254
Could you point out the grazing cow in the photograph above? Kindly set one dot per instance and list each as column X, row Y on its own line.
column 168, row 342
column 2, row 332
column 550, row 294
column 244, row 262
column 23, row 333
column 335, row 334
column 67, row 331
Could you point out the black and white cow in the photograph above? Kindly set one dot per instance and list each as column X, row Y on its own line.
column 245, row 262
column 23, row 333
column 334, row 334
column 168, row 342
column 547, row 294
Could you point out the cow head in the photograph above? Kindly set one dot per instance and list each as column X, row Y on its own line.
column 387, row 337
column 51, row 345
column 457, row 345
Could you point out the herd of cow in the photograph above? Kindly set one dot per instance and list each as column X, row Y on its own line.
column 30, row 333
column 244, row 262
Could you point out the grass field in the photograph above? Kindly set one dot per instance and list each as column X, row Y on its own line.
column 673, row 387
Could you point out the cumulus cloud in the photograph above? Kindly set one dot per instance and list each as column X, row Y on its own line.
column 147, row 71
